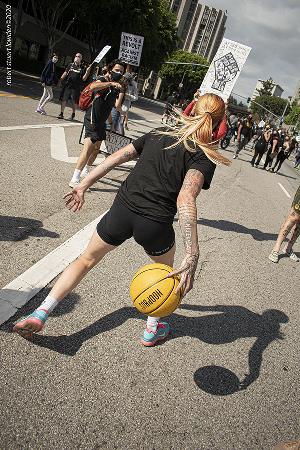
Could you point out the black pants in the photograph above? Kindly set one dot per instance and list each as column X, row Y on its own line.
column 258, row 153
column 269, row 159
column 279, row 160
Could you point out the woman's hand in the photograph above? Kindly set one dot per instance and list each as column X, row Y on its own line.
column 75, row 199
column 187, row 271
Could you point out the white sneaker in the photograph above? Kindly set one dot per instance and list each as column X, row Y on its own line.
column 73, row 184
column 84, row 173
column 292, row 256
column 273, row 256
column 234, row 156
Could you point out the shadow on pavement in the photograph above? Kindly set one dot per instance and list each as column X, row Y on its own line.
column 226, row 225
column 229, row 324
column 19, row 228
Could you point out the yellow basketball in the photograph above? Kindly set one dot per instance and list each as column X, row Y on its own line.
column 152, row 293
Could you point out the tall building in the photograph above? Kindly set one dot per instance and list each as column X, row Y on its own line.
column 276, row 90
column 200, row 27
column 296, row 96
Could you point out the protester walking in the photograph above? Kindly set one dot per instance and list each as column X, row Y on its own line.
column 282, row 155
column 273, row 150
column 131, row 94
column 106, row 95
column 244, row 134
column 261, row 146
column 71, row 80
column 48, row 79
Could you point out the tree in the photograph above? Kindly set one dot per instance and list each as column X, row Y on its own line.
column 267, row 87
column 274, row 104
column 152, row 19
column 189, row 75
column 294, row 116
column 47, row 14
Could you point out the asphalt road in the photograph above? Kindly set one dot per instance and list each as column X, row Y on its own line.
column 228, row 376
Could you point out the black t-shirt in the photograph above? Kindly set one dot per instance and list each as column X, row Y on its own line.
column 102, row 105
column 246, row 128
column 152, row 187
column 274, row 137
column 74, row 77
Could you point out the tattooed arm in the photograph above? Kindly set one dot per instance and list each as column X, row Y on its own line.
column 75, row 198
column 187, row 213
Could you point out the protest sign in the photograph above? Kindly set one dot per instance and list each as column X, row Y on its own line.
column 225, row 68
column 131, row 47
column 102, row 53
column 113, row 142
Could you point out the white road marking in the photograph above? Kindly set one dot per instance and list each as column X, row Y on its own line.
column 59, row 148
column 284, row 190
column 45, row 125
column 17, row 293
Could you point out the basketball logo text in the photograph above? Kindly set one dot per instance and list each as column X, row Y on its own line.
column 151, row 299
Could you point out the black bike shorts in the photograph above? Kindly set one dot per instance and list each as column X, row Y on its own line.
column 69, row 93
column 94, row 132
column 120, row 224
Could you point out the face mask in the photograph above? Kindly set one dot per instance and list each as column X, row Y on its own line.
column 54, row 59
column 77, row 60
column 116, row 76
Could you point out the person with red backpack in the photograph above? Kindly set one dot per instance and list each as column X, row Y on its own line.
column 98, row 99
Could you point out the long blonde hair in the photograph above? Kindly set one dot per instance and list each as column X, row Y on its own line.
column 198, row 129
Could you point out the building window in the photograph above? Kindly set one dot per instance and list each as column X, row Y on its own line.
column 189, row 19
column 176, row 5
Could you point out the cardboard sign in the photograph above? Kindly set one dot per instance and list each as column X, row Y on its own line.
column 102, row 53
column 114, row 142
column 131, row 47
column 225, row 68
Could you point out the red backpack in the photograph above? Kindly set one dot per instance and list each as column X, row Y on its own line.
column 87, row 97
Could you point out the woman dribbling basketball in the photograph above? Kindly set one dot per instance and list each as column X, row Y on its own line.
column 171, row 170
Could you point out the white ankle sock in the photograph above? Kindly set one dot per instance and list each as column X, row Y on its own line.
column 76, row 175
column 48, row 304
column 152, row 323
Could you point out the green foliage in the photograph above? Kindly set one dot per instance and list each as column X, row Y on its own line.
column 294, row 116
column 104, row 22
column 267, row 87
column 274, row 104
column 192, row 76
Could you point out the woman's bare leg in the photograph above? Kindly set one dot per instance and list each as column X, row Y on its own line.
column 156, row 331
column 76, row 271
column 69, row 279
column 285, row 229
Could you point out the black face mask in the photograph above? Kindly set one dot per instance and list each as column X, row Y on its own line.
column 115, row 76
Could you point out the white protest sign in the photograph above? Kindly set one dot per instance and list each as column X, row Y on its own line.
column 225, row 68
column 102, row 53
column 131, row 47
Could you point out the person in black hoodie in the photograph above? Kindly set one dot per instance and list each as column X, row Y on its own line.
column 48, row 79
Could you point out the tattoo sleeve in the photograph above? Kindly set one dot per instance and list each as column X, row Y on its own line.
column 187, row 210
